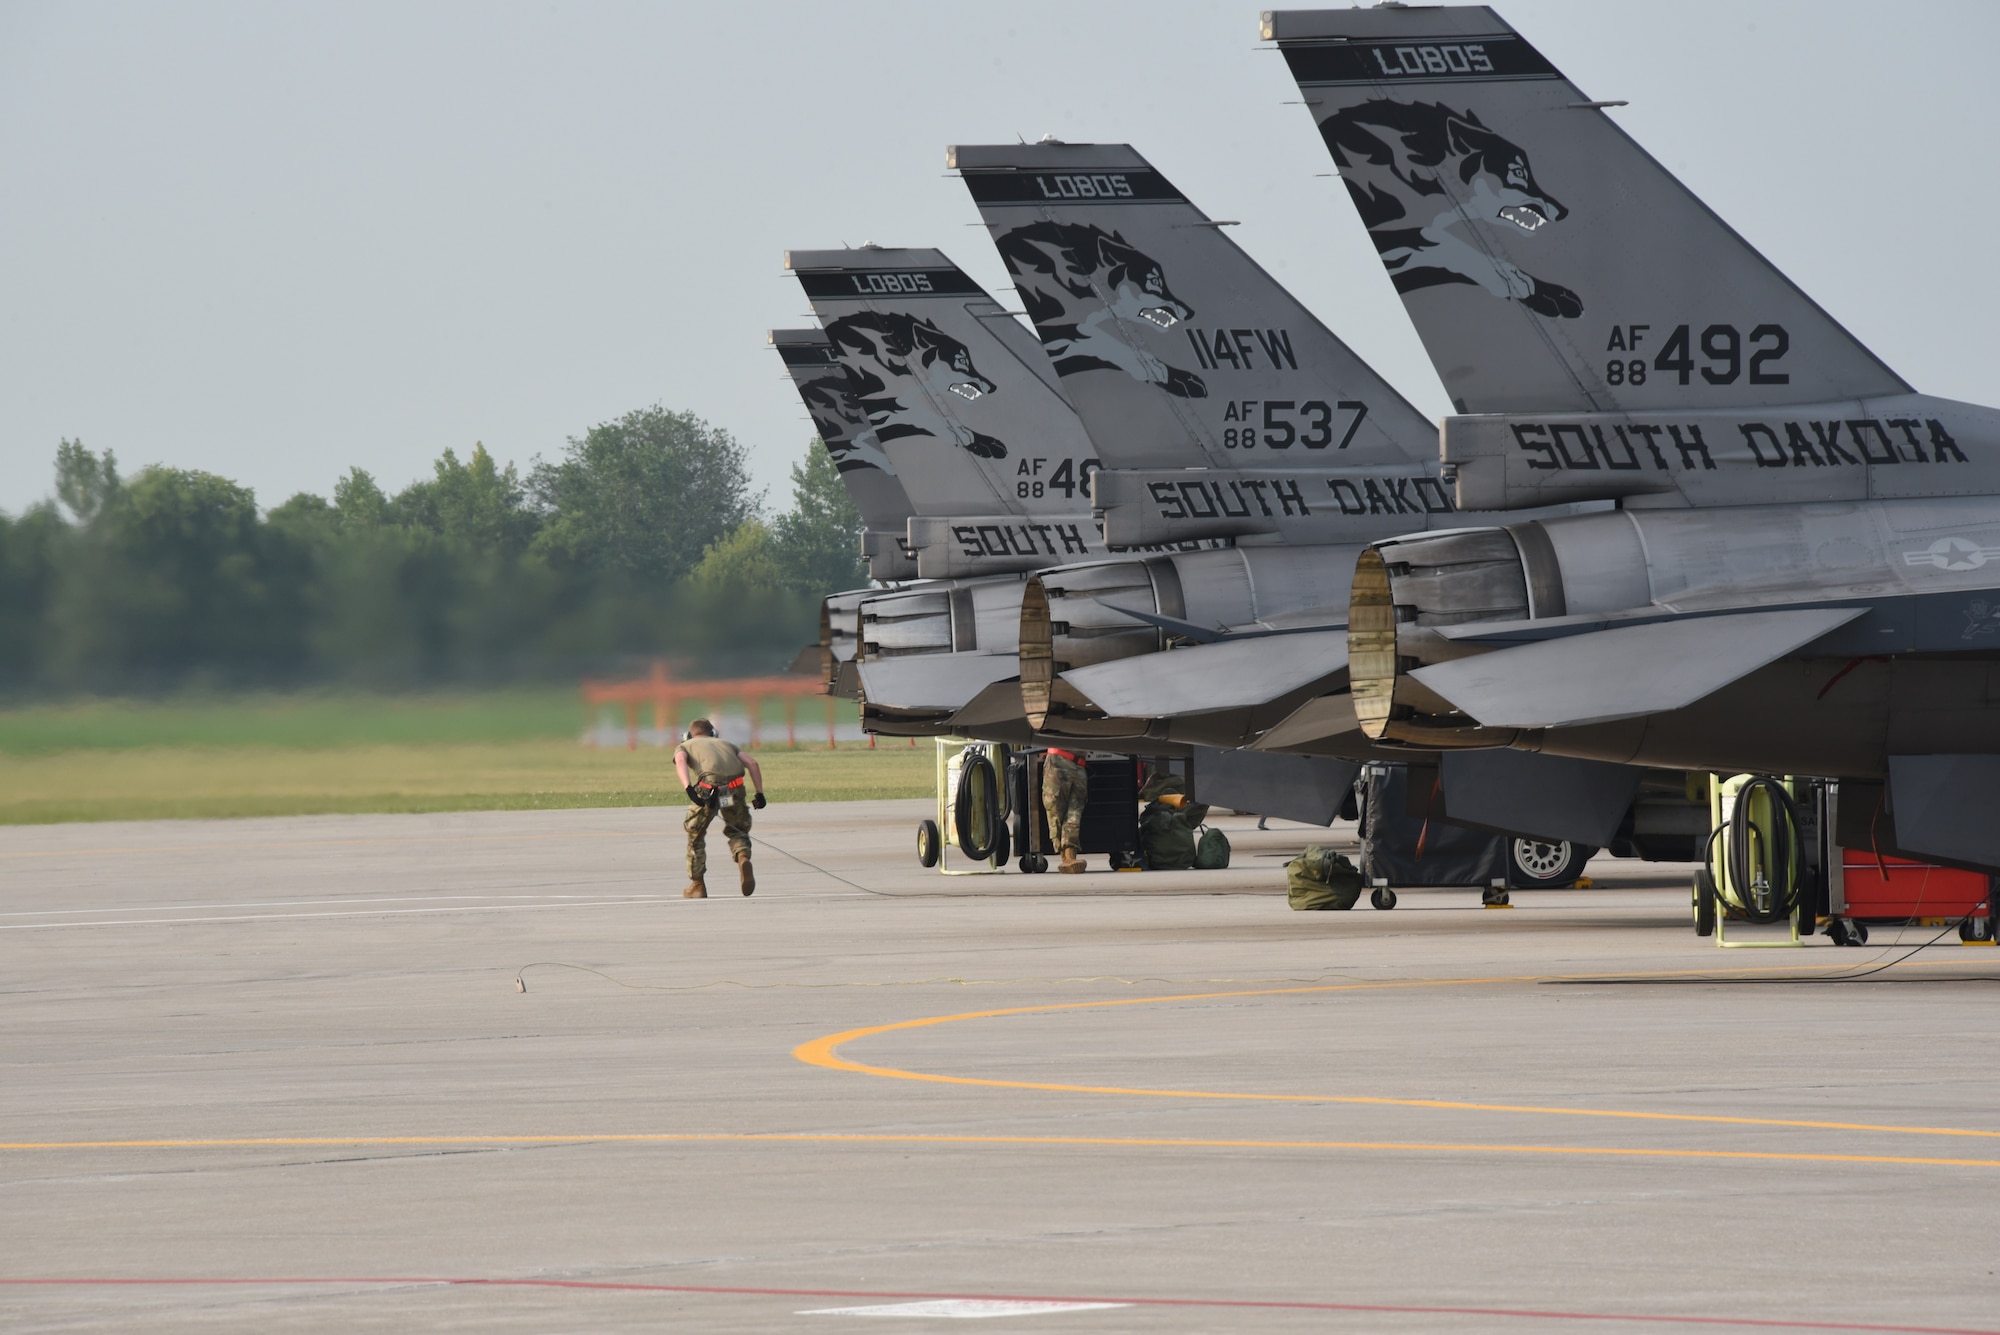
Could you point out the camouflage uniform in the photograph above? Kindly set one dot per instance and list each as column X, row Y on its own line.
column 735, row 813
column 1064, row 788
column 717, row 762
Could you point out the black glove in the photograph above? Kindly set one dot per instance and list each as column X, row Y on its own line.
column 758, row 803
column 694, row 796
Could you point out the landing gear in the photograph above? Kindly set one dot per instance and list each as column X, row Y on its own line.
column 1545, row 864
column 1383, row 897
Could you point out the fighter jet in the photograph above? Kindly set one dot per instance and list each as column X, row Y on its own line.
column 1220, row 409
column 967, row 407
column 1794, row 579
column 992, row 459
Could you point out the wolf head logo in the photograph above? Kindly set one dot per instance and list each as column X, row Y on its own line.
column 912, row 365
column 1981, row 618
column 1425, row 179
column 843, row 426
column 1103, row 286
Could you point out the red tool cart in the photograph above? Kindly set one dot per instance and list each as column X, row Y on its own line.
column 1865, row 886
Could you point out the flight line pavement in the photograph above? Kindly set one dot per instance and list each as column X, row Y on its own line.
column 1571, row 1114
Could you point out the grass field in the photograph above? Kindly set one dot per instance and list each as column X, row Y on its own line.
column 300, row 755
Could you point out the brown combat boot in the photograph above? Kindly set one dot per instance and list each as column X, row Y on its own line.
column 1072, row 861
column 748, row 877
column 696, row 891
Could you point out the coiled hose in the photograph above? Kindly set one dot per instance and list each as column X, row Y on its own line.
column 976, row 814
column 1773, row 900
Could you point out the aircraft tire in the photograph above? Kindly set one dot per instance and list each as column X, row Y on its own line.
column 1545, row 864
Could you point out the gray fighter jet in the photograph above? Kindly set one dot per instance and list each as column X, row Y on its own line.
column 997, row 467
column 937, row 372
column 1221, row 408
column 1794, row 579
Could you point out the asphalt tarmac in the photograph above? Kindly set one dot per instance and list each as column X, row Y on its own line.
column 278, row 1075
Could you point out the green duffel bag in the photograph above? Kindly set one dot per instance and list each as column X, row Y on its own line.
column 1321, row 879
column 1165, row 838
column 1211, row 851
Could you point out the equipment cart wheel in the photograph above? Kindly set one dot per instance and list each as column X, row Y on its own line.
column 1847, row 932
column 1704, row 903
column 929, row 843
column 1034, row 863
column 1383, row 897
column 1002, row 844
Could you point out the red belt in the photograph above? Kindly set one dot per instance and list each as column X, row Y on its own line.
column 1066, row 755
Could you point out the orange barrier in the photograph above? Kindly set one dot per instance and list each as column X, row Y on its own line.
column 669, row 699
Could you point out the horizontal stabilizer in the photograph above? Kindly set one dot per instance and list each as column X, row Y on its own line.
column 995, row 705
column 1187, row 630
column 1233, row 674
column 932, row 681
column 1313, row 725
column 1626, row 671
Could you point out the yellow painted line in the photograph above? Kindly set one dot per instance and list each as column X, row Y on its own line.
column 1130, row 1142
column 825, row 1052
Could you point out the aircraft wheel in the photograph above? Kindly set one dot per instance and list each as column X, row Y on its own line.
column 1704, row 903
column 929, row 843
column 1544, row 864
column 1383, row 898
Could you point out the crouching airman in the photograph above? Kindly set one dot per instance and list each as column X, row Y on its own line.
column 713, row 772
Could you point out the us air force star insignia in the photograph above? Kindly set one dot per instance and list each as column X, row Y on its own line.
column 1953, row 553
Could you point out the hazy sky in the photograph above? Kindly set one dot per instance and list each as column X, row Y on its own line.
column 274, row 240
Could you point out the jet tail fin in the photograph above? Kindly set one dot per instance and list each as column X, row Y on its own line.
column 1163, row 329
column 827, row 391
column 1548, row 262
column 958, row 392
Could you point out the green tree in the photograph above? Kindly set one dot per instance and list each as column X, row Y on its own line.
column 818, row 540
column 31, row 549
column 746, row 563
column 476, row 504
column 85, row 482
column 633, row 504
column 173, row 575
column 358, row 501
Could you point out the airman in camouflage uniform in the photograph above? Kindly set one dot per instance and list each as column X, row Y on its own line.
column 1065, row 786
column 705, row 759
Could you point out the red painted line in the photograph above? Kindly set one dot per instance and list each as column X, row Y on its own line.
column 880, row 1294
